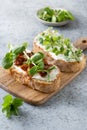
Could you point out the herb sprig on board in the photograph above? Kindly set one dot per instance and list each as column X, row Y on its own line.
column 11, row 105
column 55, row 15
column 11, row 55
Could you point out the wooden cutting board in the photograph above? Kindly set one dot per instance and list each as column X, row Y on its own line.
column 32, row 96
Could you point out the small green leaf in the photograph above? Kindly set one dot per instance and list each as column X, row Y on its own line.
column 7, row 61
column 53, row 18
column 20, row 49
column 28, row 62
column 37, row 56
column 10, row 57
column 41, row 40
column 10, row 46
column 18, row 102
column 40, row 65
column 33, row 70
column 10, row 105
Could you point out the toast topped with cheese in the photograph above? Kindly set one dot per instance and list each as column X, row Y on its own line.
column 59, row 51
column 32, row 69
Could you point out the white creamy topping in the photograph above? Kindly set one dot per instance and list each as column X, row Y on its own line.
column 61, row 56
column 53, row 73
column 57, row 57
column 19, row 69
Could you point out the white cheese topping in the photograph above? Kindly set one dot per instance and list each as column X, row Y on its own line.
column 19, row 69
column 53, row 75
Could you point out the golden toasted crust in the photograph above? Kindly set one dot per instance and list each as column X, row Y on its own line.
column 63, row 65
column 40, row 85
column 70, row 66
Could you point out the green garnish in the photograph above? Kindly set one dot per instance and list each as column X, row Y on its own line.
column 11, row 105
column 48, row 71
column 54, row 15
column 11, row 55
column 51, row 68
column 37, row 61
column 57, row 44
column 38, row 64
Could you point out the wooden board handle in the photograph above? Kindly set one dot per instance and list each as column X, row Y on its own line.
column 81, row 43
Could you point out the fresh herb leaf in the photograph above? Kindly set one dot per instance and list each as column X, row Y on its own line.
column 53, row 18
column 37, row 56
column 40, row 65
column 33, row 70
column 9, row 58
column 57, row 44
column 10, row 105
column 67, row 52
column 51, row 68
column 37, row 61
column 53, row 15
column 20, row 49
column 48, row 71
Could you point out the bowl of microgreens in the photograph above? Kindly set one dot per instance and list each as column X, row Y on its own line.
column 54, row 17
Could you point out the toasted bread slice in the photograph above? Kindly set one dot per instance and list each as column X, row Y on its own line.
column 64, row 66
column 46, row 80
column 36, row 83
column 31, row 69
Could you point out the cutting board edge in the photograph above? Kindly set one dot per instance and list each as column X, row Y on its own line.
column 44, row 100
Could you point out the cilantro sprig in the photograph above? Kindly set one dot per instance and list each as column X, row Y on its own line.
column 11, row 105
column 10, row 57
column 54, row 15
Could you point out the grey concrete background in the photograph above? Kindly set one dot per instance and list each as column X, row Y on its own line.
column 68, row 109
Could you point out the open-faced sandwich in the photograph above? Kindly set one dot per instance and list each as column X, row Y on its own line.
column 31, row 69
column 59, row 51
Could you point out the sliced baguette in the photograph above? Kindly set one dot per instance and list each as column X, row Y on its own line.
column 62, row 64
column 40, row 85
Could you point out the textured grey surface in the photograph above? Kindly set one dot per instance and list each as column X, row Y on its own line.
column 68, row 109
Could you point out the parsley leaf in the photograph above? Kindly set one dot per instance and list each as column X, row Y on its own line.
column 10, row 105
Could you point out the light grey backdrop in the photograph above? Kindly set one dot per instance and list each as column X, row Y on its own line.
column 68, row 109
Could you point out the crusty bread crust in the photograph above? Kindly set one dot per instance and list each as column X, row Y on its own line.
column 43, row 86
column 63, row 65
